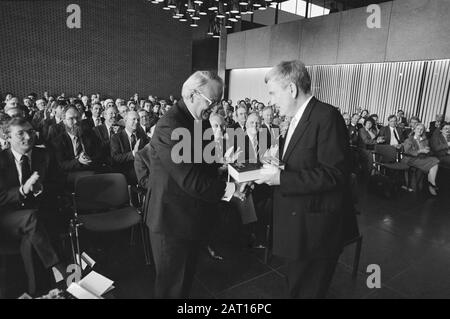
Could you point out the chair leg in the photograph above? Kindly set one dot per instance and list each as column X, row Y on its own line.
column 357, row 257
column 146, row 243
column 268, row 244
column 2, row 277
column 75, row 241
column 132, row 242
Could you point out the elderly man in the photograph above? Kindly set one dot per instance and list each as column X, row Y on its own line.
column 124, row 146
column 311, row 198
column 241, row 118
column 185, row 191
column 271, row 130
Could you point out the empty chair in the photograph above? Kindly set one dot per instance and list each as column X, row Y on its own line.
column 102, row 204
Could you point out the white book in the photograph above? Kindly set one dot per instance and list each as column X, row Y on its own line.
column 93, row 286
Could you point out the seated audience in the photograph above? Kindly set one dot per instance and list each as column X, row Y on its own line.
column 95, row 119
column 401, row 119
column 272, row 130
column 418, row 154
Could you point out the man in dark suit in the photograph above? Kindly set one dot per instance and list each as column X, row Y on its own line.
column 271, row 130
column 184, row 188
column 353, row 129
column 393, row 134
column 76, row 151
column 54, row 126
column 125, row 145
column 26, row 184
column 94, row 120
column 105, row 131
column 311, row 194
column 241, row 118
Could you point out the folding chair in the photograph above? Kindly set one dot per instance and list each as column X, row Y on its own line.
column 386, row 161
column 102, row 203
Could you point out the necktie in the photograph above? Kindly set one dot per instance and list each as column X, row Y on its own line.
column 396, row 136
column 111, row 131
column 255, row 145
column 26, row 169
column 133, row 141
column 78, row 147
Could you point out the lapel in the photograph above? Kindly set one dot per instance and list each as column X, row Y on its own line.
column 104, row 132
column 68, row 144
column 300, row 129
column 125, row 142
column 12, row 169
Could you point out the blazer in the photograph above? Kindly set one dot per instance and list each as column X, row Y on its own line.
column 439, row 145
column 122, row 155
column 65, row 155
column 105, row 141
column 313, row 212
column 386, row 133
column 365, row 141
column 44, row 164
column 184, row 195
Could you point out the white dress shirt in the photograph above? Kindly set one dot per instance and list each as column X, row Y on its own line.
column 393, row 140
column 294, row 122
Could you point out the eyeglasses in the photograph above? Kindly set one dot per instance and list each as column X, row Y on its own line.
column 211, row 102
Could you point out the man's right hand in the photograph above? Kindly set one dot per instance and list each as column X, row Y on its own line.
column 136, row 147
column 84, row 160
column 28, row 186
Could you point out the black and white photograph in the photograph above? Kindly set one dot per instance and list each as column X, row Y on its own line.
column 224, row 154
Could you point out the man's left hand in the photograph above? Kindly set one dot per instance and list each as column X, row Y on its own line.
column 270, row 175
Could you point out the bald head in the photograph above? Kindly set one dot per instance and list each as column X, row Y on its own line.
column 131, row 121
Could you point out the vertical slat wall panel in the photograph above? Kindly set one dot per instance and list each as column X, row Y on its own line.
column 383, row 88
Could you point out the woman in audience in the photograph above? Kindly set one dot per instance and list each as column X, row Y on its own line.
column 364, row 115
column 367, row 139
column 417, row 154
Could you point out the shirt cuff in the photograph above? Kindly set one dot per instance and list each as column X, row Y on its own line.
column 229, row 191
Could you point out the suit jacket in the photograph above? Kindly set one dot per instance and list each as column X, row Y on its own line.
column 65, row 155
column 438, row 144
column 122, row 155
column 365, row 141
column 142, row 167
column 54, row 131
column 433, row 127
column 353, row 133
column 105, row 141
column 268, row 132
column 386, row 132
column 183, row 195
column 88, row 123
column 10, row 197
column 312, row 211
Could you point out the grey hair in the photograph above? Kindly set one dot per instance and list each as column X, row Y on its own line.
column 291, row 72
column 198, row 80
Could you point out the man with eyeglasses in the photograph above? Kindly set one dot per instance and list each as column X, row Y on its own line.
column 184, row 191
column 27, row 178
